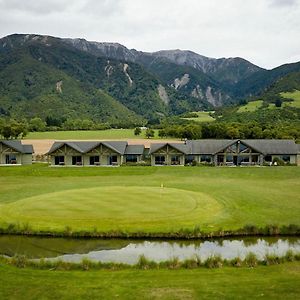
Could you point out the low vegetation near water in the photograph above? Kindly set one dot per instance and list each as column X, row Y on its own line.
column 145, row 201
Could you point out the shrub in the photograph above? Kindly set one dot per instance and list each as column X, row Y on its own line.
column 289, row 256
column 214, row 261
column 86, row 264
column 272, row 259
column 251, row 260
column 236, row 262
column 19, row 261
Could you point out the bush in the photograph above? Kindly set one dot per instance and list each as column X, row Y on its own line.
column 19, row 261
column 251, row 260
column 214, row 262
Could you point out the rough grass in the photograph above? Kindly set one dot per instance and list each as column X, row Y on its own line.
column 266, row 282
column 129, row 198
column 88, row 134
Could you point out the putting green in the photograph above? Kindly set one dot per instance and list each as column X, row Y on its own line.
column 114, row 207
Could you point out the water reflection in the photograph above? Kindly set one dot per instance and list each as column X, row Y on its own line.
column 129, row 251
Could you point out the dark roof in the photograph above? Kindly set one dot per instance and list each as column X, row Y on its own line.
column 208, row 146
column 135, row 149
column 84, row 147
column 261, row 146
column 274, row 146
column 180, row 147
column 18, row 146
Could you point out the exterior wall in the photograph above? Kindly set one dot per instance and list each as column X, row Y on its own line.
column 168, row 152
column 26, row 159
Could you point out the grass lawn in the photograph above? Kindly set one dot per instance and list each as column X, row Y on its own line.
column 263, row 282
column 88, row 134
column 149, row 199
column 203, row 116
column 295, row 95
column 251, row 106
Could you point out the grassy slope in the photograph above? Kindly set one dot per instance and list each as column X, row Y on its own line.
column 251, row 106
column 295, row 95
column 203, row 116
column 272, row 282
column 238, row 196
column 88, row 134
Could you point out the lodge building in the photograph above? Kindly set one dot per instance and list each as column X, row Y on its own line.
column 215, row 152
column 13, row 152
column 237, row 152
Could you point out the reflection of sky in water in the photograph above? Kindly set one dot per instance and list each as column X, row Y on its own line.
column 161, row 251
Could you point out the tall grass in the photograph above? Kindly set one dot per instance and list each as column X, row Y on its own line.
column 184, row 233
column 250, row 261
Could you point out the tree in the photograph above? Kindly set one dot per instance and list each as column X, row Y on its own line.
column 149, row 133
column 278, row 102
column 137, row 131
column 37, row 124
column 13, row 130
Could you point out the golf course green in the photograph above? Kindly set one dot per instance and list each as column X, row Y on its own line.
column 148, row 199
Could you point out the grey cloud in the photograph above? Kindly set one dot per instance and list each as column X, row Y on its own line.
column 282, row 3
column 34, row 6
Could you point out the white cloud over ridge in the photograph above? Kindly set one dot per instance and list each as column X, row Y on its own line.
column 266, row 32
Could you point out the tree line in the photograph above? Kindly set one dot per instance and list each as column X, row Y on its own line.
column 223, row 130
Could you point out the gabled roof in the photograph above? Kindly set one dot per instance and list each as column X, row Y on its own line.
column 180, row 147
column 274, row 146
column 135, row 149
column 208, row 146
column 84, row 147
column 18, row 146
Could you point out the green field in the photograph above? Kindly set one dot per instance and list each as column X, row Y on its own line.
column 292, row 95
column 251, row 106
column 88, row 134
column 203, row 116
column 148, row 199
column 263, row 282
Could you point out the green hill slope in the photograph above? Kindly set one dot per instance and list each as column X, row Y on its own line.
column 29, row 88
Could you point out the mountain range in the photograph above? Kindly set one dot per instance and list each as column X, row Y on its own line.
column 73, row 78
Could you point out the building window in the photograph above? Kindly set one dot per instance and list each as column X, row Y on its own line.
column 94, row 160
column 113, row 160
column 205, row 158
column 10, row 159
column 286, row 158
column 160, row 160
column 268, row 158
column 131, row 158
column 189, row 159
column 76, row 160
column 59, row 160
column 175, row 160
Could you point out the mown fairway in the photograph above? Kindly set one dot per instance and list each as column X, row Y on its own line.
column 264, row 282
column 148, row 199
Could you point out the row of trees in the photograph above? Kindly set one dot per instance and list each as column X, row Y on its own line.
column 222, row 130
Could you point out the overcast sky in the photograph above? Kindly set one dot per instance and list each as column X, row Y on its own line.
column 266, row 32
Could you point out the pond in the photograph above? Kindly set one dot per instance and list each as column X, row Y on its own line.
column 128, row 251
